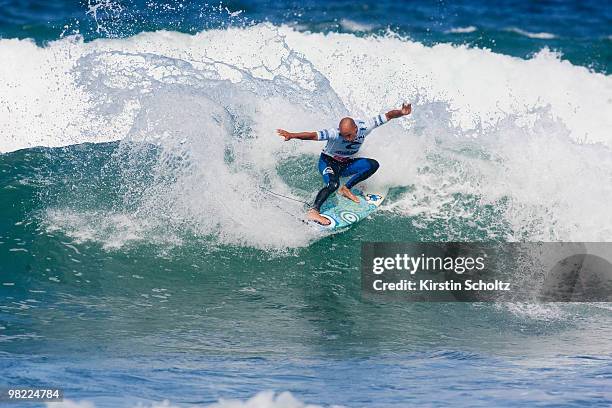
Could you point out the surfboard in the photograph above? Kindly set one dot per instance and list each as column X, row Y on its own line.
column 343, row 212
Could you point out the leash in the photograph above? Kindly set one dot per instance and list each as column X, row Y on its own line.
column 283, row 196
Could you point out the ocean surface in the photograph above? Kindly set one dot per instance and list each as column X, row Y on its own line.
column 142, row 263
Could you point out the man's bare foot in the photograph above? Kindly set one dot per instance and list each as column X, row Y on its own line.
column 314, row 215
column 345, row 192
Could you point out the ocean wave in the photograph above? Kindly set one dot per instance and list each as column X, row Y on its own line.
column 197, row 113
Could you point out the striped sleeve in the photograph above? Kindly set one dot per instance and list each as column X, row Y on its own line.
column 376, row 121
column 326, row 134
column 380, row 119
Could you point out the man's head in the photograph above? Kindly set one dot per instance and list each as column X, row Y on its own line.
column 348, row 129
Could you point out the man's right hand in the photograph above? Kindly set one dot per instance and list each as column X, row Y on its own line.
column 284, row 134
column 300, row 135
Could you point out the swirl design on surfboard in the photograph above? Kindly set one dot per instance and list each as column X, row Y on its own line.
column 349, row 216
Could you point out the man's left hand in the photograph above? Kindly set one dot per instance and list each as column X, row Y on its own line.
column 406, row 109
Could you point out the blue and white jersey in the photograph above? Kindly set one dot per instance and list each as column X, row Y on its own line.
column 339, row 148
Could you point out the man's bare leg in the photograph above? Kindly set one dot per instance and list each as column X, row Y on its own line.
column 314, row 215
column 345, row 192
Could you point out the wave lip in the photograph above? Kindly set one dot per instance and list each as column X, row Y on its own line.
column 538, row 36
column 30, row 115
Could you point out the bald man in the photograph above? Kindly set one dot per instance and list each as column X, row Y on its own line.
column 337, row 159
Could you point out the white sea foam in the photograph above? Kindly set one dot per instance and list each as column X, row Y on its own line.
column 41, row 103
column 354, row 26
column 264, row 399
column 462, row 30
column 113, row 230
column 539, row 36
column 528, row 136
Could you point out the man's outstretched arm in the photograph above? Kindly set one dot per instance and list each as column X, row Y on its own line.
column 300, row 135
column 398, row 113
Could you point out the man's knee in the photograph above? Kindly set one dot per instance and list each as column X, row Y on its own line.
column 333, row 185
column 373, row 165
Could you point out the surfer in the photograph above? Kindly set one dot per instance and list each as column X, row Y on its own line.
column 337, row 159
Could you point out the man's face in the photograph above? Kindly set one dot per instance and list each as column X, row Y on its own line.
column 349, row 132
